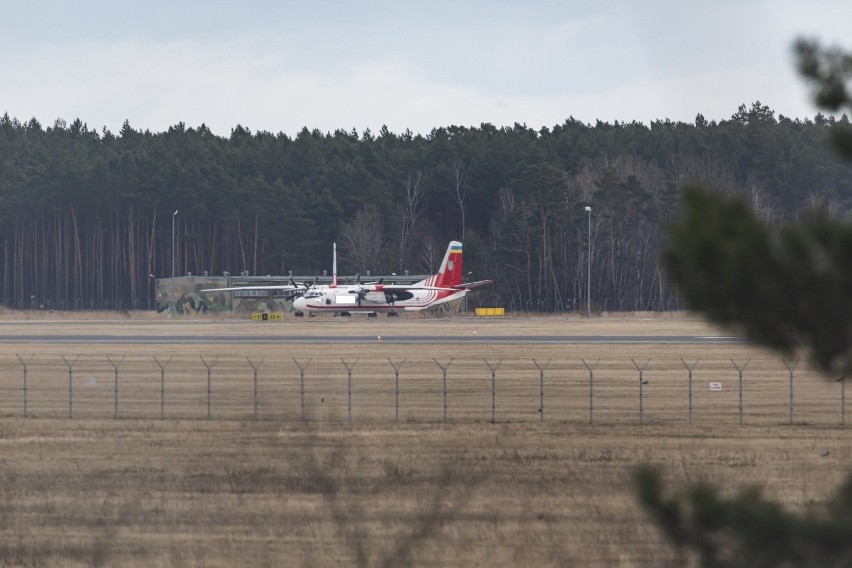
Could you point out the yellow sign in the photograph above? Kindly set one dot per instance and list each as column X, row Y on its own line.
column 490, row 312
column 257, row 316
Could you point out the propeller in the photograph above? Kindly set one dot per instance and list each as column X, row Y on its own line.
column 296, row 293
column 363, row 291
column 299, row 288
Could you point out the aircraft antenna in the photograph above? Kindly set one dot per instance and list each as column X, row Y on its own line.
column 334, row 267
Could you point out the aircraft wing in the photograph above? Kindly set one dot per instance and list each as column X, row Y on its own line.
column 236, row 288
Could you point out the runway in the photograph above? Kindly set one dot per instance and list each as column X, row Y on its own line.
column 153, row 339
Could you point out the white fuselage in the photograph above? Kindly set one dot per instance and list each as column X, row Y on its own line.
column 348, row 299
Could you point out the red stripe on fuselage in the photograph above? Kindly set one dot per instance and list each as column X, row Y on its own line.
column 432, row 296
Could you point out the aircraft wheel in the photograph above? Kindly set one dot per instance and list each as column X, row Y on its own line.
column 393, row 315
column 372, row 315
column 299, row 314
column 345, row 315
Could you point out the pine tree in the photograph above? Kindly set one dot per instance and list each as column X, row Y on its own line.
column 789, row 289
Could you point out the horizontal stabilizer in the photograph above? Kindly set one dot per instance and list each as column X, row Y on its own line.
column 472, row 285
column 404, row 288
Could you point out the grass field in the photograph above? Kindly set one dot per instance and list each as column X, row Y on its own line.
column 187, row 491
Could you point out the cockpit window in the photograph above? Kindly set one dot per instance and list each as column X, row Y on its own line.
column 313, row 294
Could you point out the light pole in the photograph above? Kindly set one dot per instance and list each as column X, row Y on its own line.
column 174, row 216
column 589, row 269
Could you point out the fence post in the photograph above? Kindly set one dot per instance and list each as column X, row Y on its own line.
column 70, row 390
column 541, row 369
column 163, row 384
column 302, row 385
column 255, row 367
column 209, row 381
column 493, row 388
column 349, row 372
column 641, row 384
column 791, row 367
column 24, row 364
column 591, row 369
column 444, row 369
column 690, row 369
column 115, row 367
column 396, row 368
column 740, row 370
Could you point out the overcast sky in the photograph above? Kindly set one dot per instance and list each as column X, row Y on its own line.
column 282, row 65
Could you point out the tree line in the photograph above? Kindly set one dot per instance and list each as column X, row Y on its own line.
column 89, row 214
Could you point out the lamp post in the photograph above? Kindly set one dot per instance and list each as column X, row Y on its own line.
column 174, row 216
column 589, row 269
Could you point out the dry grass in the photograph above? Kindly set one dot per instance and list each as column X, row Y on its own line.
column 265, row 493
column 189, row 491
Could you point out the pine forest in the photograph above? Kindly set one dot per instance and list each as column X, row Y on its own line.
column 89, row 216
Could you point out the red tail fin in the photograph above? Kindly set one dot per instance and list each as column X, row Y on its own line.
column 450, row 273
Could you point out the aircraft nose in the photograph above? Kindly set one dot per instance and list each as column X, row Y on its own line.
column 299, row 304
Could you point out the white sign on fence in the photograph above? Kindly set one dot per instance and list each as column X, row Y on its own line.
column 715, row 387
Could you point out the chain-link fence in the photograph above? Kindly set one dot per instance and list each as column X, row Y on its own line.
column 593, row 391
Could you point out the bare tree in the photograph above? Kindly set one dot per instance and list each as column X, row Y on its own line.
column 459, row 186
column 409, row 217
column 584, row 182
column 706, row 170
column 364, row 239
column 429, row 255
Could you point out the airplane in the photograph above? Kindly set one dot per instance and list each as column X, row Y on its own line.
column 374, row 297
